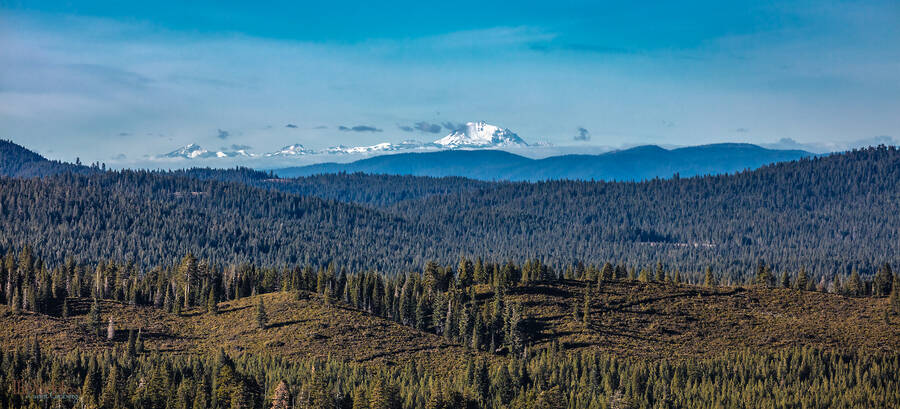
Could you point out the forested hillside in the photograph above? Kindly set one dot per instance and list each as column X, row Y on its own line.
column 150, row 217
column 378, row 191
column 20, row 162
column 829, row 215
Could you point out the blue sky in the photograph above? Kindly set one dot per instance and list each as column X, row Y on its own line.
column 113, row 81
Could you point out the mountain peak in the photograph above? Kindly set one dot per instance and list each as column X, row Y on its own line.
column 480, row 135
column 194, row 151
column 292, row 150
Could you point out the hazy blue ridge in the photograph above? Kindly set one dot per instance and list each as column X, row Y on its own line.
column 634, row 164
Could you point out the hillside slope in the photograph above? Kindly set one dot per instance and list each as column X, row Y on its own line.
column 17, row 161
column 628, row 318
column 296, row 329
column 150, row 218
column 660, row 321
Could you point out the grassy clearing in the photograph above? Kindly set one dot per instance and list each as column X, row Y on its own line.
column 643, row 320
column 663, row 321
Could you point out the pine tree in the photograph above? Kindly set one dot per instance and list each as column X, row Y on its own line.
column 660, row 273
column 383, row 396
column 854, row 284
column 480, row 274
column 802, row 280
column 188, row 270
column 449, row 322
column 586, row 310
column 321, row 282
column 465, row 324
column 94, row 317
column 139, row 344
column 895, row 294
column 644, row 276
column 201, row 397
column 883, row 280
column 131, row 349
column 464, row 273
column 708, row 279
column 261, row 317
column 606, row 273
column 763, row 275
column 481, row 382
column 91, row 386
column 514, row 337
column 785, row 280
column 422, row 314
column 576, row 311
column 16, row 301
column 36, row 350
column 176, row 305
column 110, row 396
column 360, row 400
column 211, row 306
column 476, row 332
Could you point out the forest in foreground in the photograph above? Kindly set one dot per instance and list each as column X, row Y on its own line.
column 234, row 288
column 471, row 335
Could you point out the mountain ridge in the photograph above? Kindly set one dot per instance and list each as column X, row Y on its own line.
column 18, row 161
column 472, row 135
column 633, row 164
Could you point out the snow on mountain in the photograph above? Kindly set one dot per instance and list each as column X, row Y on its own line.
column 191, row 151
column 292, row 150
column 194, row 151
column 381, row 147
column 480, row 135
column 473, row 135
column 239, row 152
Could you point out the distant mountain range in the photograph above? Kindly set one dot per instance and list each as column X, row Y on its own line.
column 635, row 164
column 639, row 163
column 476, row 150
column 472, row 135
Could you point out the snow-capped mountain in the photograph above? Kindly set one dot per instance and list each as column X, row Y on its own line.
column 191, row 151
column 480, row 135
column 292, row 150
column 474, row 135
column 343, row 149
column 194, row 151
column 381, row 147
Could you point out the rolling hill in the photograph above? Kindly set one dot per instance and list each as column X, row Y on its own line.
column 299, row 329
column 628, row 318
column 17, row 161
column 635, row 164
column 834, row 213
